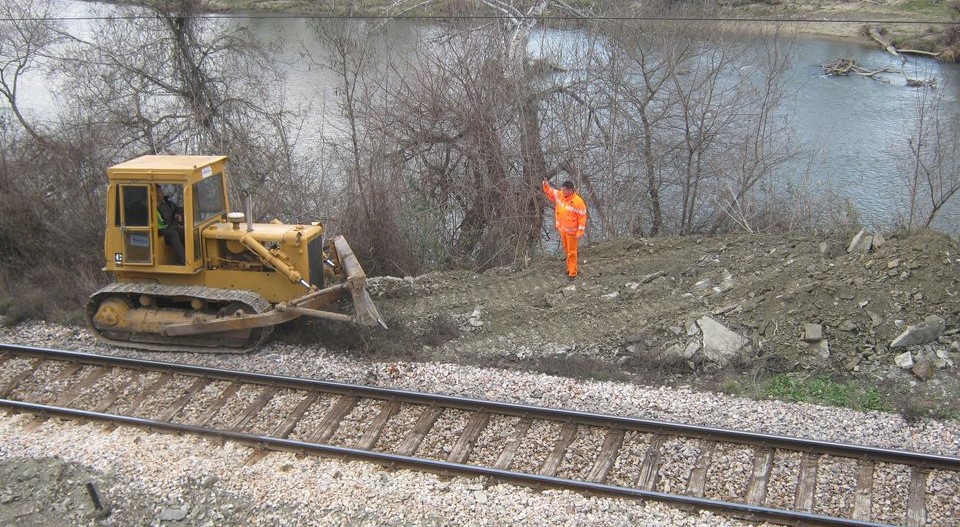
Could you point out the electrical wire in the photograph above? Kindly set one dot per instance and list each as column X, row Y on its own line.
column 233, row 16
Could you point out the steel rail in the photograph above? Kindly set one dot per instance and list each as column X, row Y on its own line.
column 741, row 510
column 918, row 459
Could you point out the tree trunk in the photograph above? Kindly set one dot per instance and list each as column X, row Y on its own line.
column 534, row 171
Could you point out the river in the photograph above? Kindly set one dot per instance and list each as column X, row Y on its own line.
column 854, row 124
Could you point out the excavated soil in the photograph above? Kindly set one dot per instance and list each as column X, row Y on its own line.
column 636, row 309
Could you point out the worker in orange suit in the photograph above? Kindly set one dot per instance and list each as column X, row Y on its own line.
column 571, row 219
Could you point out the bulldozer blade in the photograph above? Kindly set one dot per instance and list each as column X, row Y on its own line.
column 366, row 312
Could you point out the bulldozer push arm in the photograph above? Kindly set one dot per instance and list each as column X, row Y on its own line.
column 365, row 311
column 268, row 258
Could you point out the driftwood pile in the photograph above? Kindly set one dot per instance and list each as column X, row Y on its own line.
column 842, row 67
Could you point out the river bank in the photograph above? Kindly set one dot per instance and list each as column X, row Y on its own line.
column 925, row 25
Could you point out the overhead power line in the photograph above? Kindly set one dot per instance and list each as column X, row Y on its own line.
column 230, row 16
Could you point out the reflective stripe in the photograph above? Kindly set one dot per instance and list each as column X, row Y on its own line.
column 570, row 214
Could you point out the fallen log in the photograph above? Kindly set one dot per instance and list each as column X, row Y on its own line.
column 866, row 73
column 875, row 34
column 840, row 67
column 934, row 54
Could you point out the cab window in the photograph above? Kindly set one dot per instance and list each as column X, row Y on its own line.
column 208, row 199
column 136, row 210
column 134, row 222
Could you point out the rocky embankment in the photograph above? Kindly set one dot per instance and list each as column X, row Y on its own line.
column 849, row 304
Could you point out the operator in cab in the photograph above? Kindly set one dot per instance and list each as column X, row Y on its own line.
column 170, row 224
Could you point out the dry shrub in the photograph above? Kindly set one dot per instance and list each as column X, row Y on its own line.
column 376, row 235
column 799, row 207
column 950, row 42
column 48, row 292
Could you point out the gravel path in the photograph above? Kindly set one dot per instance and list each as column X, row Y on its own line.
column 158, row 479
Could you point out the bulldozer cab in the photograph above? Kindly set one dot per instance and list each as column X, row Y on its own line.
column 156, row 208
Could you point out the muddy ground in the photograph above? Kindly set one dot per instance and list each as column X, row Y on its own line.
column 636, row 312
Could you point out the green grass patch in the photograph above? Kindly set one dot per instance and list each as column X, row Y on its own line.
column 824, row 391
column 936, row 10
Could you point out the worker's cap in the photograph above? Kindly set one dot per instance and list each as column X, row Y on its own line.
column 568, row 184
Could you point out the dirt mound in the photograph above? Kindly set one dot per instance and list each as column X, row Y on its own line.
column 641, row 307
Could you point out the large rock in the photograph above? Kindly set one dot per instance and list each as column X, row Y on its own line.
column 923, row 370
column 720, row 344
column 877, row 240
column 931, row 329
column 812, row 332
column 904, row 360
column 861, row 243
column 173, row 514
column 820, row 348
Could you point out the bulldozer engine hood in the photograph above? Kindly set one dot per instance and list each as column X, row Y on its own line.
column 264, row 232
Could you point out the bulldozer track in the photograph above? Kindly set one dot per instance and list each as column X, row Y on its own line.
column 131, row 290
column 748, row 475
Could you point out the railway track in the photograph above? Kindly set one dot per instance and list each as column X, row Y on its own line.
column 753, row 476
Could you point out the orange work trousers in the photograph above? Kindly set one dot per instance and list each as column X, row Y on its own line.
column 569, row 242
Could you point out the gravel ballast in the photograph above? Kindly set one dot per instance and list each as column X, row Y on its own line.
column 148, row 478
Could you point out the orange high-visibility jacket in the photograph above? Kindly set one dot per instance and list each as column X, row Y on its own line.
column 570, row 213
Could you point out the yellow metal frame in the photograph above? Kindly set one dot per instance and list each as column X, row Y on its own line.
column 152, row 170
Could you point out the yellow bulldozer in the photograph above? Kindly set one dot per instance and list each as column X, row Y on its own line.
column 191, row 275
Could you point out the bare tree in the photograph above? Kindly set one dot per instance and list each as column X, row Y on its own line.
column 931, row 166
column 456, row 112
column 372, row 199
column 762, row 151
column 349, row 58
column 696, row 120
column 641, row 65
column 488, row 114
column 170, row 81
column 28, row 30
